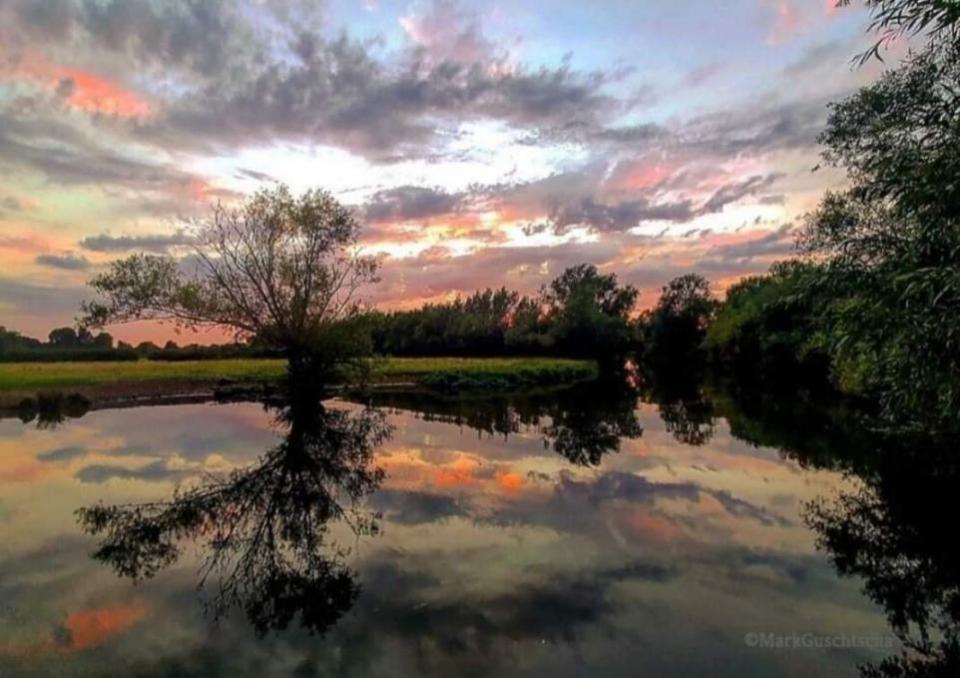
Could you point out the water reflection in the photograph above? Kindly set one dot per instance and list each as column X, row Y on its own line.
column 568, row 531
column 264, row 529
column 50, row 410
column 896, row 531
column 582, row 425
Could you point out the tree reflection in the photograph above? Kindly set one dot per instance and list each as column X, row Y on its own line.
column 50, row 410
column 895, row 533
column 582, row 424
column 895, row 530
column 589, row 423
column 685, row 411
column 265, row 529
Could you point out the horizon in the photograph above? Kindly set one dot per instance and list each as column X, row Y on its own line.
column 482, row 145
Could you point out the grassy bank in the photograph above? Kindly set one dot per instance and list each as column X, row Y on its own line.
column 441, row 373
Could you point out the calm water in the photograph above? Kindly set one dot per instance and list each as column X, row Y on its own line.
column 581, row 533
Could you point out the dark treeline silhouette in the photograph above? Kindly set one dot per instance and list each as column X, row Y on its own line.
column 69, row 343
column 582, row 313
column 63, row 343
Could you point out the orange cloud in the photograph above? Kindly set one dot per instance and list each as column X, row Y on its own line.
column 89, row 628
column 82, row 630
column 81, row 89
column 510, row 481
column 461, row 472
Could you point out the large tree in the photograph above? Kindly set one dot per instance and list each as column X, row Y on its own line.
column 890, row 242
column 673, row 331
column 283, row 269
column 588, row 314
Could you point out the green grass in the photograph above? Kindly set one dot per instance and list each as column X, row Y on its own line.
column 18, row 376
column 446, row 373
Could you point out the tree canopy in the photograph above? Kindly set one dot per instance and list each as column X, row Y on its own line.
column 281, row 268
column 888, row 246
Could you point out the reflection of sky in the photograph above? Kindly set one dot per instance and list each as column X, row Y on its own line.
column 497, row 554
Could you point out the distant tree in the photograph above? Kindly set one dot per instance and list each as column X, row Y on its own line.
column 768, row 326
column 11, row 341
column 280, row 268
column 589, row 313
column 103, row 340
column 675, row 328
column 147, row 348
column 171, row 345
column 63, row 337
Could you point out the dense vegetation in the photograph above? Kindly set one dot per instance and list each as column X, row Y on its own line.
column 581, row 313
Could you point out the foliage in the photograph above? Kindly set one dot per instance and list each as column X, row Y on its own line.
column 587, row 313
column 281, row 269
column 674, row 329
column 890, row 243
column 895, row 19
column 581, row 313
column 767, row 327
column 476, row 325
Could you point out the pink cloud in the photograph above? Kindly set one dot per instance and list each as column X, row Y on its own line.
column 80, row 89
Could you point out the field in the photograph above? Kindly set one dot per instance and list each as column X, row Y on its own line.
column 441, row 373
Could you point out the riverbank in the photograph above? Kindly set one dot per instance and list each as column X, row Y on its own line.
column 144, row 379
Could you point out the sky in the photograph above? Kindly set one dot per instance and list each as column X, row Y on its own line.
column 480, row 143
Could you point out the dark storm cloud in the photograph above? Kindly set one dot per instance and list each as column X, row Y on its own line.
column 405, row 203
column 249, row 73
column 734, row 191
column 159, row 242
column 336, row 92
column 67, row 262
column 756, row 129
column 619, row 216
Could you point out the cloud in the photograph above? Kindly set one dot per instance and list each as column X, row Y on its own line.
column 619, row 216
column 159, row 242
column 617, row 486
column 624, row 215
column 336, row 93
column 30, row 298
column 200, row 37
column 11, row 204
column 448, row 33
column 780, row 242
column 412, row 507
column 68, row 261
column 406, row 203
column 158, row 470
column 63, row 453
